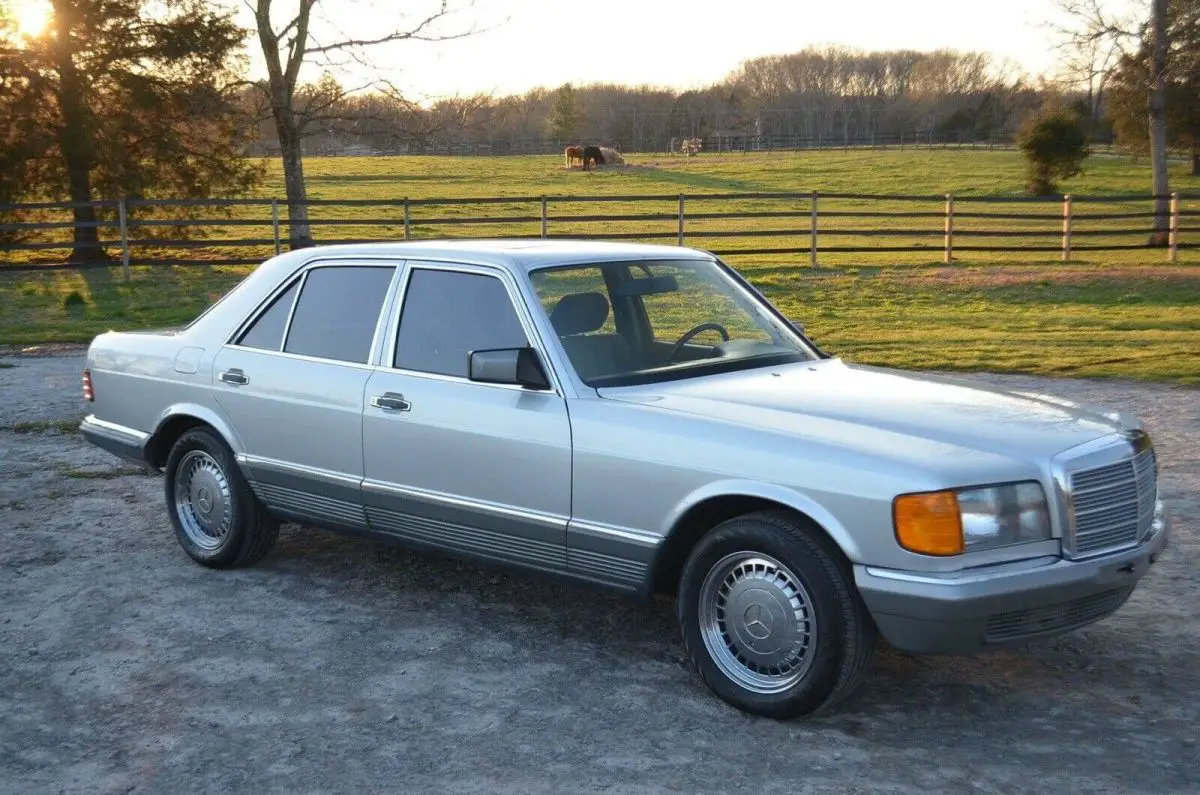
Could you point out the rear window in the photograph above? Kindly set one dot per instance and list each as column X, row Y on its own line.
column 337, row 312
column 448, row 314
column 267, row 331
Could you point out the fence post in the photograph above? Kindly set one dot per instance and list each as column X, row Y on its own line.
column 812, row 239
column 1066, row 237
column 123, row 217
column 1173, row 239
column 275, row 226
column 949, row 228
column 681, row 219
column 407, row 221
column 544, row 218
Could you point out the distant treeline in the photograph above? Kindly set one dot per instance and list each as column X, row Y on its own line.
column 831, row 94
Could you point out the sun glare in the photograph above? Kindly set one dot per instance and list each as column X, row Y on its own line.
column 32, row 16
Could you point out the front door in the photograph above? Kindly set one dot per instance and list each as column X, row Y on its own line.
column 480, row 469
column 292, row 386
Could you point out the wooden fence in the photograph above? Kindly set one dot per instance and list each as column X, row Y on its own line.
column 809, row 227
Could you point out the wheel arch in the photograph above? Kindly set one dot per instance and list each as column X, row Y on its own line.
column 708, row 507
column 177, row 420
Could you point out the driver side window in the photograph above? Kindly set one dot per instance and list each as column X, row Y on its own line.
column 580, row 310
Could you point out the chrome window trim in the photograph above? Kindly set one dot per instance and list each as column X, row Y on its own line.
column 516, row 299
column 458, row 379
column 391, row 311
column 287, row 327
column 301, row 357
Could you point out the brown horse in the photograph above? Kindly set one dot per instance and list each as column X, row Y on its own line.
column 592, row 154
column 573, row 153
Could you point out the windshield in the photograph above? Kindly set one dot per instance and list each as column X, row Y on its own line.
column 624, row 323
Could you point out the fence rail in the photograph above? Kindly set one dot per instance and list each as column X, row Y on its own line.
column 802, row 224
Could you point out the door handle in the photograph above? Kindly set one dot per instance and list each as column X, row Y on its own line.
column 390, row 401
column 234, row 376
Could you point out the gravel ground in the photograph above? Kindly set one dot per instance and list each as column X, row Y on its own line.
column 345, row 664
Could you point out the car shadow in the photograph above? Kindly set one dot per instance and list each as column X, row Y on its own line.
column 1093, row 701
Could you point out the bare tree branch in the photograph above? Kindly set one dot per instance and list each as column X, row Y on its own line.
column 415, row 33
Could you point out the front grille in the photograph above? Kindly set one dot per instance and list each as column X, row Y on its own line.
column 1061, row 617
column 1113, row 505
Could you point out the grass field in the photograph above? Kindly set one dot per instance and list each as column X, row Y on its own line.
column 1103, row 314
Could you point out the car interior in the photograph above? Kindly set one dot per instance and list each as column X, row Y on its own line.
column 616, row 328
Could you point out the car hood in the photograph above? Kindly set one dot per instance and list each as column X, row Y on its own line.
column 829, row 398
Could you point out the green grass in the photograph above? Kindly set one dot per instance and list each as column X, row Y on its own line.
column 1135, row 322
column 43, row 426
column 102, row 474
column 6, row 366
column 1103, row 314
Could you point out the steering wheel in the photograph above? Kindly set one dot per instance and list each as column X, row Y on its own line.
column 692, row 332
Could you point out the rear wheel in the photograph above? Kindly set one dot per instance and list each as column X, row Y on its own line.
column 218, row 521
column 770, row 617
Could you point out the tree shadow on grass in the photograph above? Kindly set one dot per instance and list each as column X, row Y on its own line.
column 100, row 284
column 697, row 180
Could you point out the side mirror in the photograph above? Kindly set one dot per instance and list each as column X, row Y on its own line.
column 518, row 366
column 798, row 326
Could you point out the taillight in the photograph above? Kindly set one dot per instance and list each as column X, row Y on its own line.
column 89, row 394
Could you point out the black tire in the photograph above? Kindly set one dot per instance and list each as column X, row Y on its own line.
column 224, row 525
column 829, row 668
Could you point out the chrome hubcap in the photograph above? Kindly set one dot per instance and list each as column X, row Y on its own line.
column 757, row 622
column 203, row 500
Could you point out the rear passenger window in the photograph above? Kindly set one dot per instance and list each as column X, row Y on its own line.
column 267, row 331
column 448, row 314
column 337, row 312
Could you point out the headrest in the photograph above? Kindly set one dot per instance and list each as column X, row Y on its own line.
column 579, row 313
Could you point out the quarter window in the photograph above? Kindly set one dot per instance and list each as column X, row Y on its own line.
column 448, row 314
column 337, row 312
column 267, row 331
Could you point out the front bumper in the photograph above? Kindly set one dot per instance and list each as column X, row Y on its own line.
column 998, row 605
column 127, row 443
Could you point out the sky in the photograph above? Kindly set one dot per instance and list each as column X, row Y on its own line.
column 687, row 43
column 676, row 43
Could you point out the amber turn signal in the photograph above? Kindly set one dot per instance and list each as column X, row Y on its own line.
column 89, row 394
column 929, row 523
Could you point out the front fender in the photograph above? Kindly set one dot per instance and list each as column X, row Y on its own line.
column 783, row 495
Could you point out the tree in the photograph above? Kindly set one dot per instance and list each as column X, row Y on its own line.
column 1127, row 107
column 1054, row 142
column 287, row 45
column 565, row 119
column 1091, row 26
column 124, row 98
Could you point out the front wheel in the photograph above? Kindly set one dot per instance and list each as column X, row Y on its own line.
column 218, row 520
column 770, row 617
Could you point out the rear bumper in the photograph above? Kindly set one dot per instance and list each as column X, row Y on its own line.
column 925, row 614
column 127, row 443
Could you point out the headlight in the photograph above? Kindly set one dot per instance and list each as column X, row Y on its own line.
column 968, row 520
column 998, row 516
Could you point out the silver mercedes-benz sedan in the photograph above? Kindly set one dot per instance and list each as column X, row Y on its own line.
column 637, row 417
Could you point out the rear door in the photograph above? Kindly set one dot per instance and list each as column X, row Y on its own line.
column 292, row 384
column 481, row 469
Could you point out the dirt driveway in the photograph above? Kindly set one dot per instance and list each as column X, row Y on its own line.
column 341, row 664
